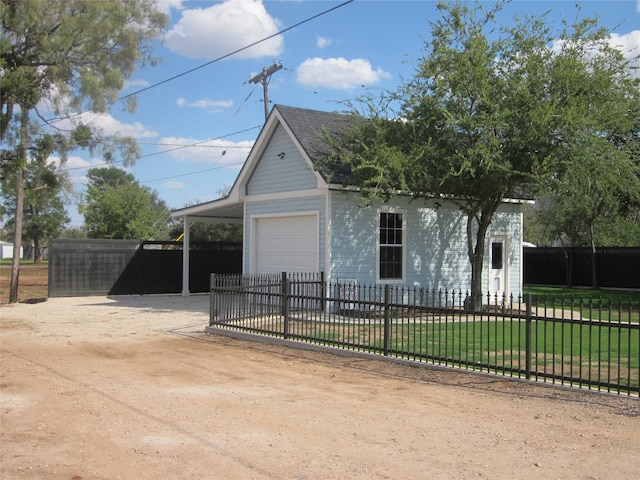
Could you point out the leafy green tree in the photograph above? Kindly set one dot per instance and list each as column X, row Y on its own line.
column 594, row 201
column 73, row 232
column 44, row 213
column 70, row 55
column 595, row 187
column 210, row 232
column 492, row 112
column 533, row 229
column 117, row 206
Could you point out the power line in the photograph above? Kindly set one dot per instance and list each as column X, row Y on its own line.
column 165, row 151
column 218, row 167
column 236, row 51
column 194, row 144
column 175, row 77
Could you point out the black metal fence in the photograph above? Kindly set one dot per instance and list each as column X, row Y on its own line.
column 615, row 267
column 592, row 344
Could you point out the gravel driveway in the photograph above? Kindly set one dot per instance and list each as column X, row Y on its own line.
column 131, row 388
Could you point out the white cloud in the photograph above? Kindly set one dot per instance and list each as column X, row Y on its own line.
column 77, row 167
column 338, row 73
column 135, row 84
column 629, row 45
column 166, row 5
column 103, row 122
column 221, row 152
column 322, row 42
column 220, row 29
column 173, row 185
column 107, row 125
column 111, row 126
column 205, row 103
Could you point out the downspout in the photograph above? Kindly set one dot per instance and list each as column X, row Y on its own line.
column 185, row 257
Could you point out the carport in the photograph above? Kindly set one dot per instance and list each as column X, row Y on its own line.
column 224, row 210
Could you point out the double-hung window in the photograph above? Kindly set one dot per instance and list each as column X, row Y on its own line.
column 391, row 246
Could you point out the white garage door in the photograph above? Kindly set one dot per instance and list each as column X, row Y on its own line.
column 285, row 244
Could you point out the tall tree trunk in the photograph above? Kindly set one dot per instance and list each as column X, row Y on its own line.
column 37, row 251
column 476, row 252
column 17, row 227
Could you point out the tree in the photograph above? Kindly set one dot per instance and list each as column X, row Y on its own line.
column 71, row 55
column 595, row 186
column 595, row 201
column 210, row 232
column 73, row 232
column 117, row 206
column 491, row 112
column 44, row 213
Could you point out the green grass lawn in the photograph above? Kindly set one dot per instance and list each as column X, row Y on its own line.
column 606, row 305
column 9, row 261
column 558, row 348
column 584, row 294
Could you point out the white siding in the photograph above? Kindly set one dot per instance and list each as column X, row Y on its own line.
column 436, row 242
column 274, row 174
column 352, row 240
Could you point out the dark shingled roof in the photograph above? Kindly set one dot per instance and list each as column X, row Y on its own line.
column 311, row 127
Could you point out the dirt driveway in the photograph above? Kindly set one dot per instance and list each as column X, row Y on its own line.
column 130, row 388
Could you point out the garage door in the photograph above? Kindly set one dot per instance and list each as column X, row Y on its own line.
column 285, row 244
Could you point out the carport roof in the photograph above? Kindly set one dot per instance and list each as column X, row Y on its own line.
column 223, row 209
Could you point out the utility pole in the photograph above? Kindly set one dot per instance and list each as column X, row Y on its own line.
column 264, row 77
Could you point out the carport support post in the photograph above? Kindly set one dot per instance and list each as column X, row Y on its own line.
column 185, row 257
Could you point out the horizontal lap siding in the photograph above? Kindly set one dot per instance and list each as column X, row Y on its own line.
column 274, row 174
column 436, row 243
column 353, row 239
column 437, row 247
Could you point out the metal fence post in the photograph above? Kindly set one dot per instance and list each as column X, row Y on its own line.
column 212, row 284
column 387, row 319
column 323, row 292
column 286, row 298
column 528, row 342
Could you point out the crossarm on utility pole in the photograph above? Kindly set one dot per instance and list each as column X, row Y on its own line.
column 263, row 78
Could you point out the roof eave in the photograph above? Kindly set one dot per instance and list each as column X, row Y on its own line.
column 353, row 188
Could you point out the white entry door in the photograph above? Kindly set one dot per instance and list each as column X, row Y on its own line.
column 498, row 262
column 285, row 244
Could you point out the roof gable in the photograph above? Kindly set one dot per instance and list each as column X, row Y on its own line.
column 308, row 130
column 282, row 167
column 311, row 129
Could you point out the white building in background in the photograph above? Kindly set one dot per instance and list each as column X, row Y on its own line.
column 6, row 250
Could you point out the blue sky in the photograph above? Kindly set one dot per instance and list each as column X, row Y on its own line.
column 196, row 131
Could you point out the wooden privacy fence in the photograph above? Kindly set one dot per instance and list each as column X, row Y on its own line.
column 592, row 344
column 81, row 267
